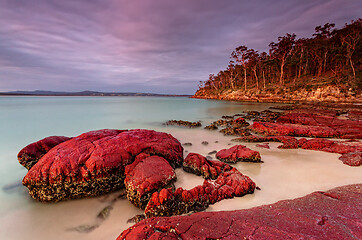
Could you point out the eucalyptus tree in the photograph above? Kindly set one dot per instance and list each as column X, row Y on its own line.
column 281, row 50
column 240, row 55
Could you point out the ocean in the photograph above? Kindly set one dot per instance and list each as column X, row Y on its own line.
column 285, row 173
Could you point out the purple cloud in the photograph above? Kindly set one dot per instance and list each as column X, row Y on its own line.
column 143, row 46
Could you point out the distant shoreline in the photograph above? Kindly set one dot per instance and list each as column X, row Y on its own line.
column 87, row 94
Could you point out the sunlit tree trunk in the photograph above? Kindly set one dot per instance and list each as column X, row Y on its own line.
column 281, row 80
column 256, row 78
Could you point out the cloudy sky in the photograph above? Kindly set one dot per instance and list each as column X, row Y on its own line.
column 160, row 46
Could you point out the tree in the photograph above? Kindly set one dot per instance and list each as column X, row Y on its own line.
column 328, row 53
column 231, row 70
column 350, row 36
column 212, row 81
column 320, row 46
column 263, row 59
column 253, row 57
column 281, row 51
column 300, row 48
column 240, row 55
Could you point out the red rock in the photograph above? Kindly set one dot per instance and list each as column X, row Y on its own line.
column 355, row 115
column 30, row 155
column 264, row 145
column 277, row 129
column 254, row 138
column 235, row 131
column 336, row 127
column 229, row 183
column 238, row 153
column 352, row 158
column 271, row 129
column 200, row 165
column 146, row 175
column 240, row 122
column 93, row 163
column 162, row 203
column 289, row 143
column 351, row 151
column 332, row 146
column 335, row 214
column 318, row 144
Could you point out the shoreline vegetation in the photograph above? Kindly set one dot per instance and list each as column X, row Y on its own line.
column 324, row 68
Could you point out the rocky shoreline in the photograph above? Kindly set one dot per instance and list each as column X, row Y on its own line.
column 141, row 161
column 326, row 94
column 334, row 214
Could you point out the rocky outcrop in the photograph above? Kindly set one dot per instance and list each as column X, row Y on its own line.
column 183, row 123
column 211, row 127
column 352, row 158
column 238, row 153
column 335, row 127
column 228, row 183
column 235, row 127
column 146, row 175
column 335, row 214
column 288, row 142
column 329, row 93
column 275, row 129
column 263, row 145
column 94, row 162
column 143, row 161
column 331, row 146
column 30, row 155
column 220, row 123
column 263, row 116
column 240, row 122
column 235, row 131
column 350, row 150
column 201, row 166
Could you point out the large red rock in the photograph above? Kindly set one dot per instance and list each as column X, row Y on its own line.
column 278, row 129
column 93, row 163
column 337, row 127
column 146, row 175
column 271, row 129
column 228, row 183
column 332, row 146
column 335, row 214
column 238, row 153
column 30, row 155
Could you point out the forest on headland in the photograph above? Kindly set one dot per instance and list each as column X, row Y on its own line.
column 329, row 64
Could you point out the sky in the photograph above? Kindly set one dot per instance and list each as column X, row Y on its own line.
column 155, row 46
